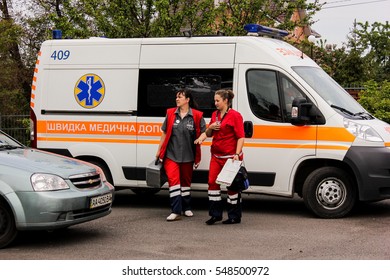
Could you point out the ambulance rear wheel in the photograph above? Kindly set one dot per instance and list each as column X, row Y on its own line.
column 329, row 192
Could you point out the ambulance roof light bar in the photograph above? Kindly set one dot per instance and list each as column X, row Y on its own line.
column 57, row 34
column 257, row 29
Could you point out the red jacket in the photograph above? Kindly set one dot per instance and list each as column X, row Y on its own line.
column 197, row 115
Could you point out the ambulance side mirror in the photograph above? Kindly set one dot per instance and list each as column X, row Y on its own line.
column 300, row 111
column 248, row 128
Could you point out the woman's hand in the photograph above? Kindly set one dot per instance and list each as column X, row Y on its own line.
column 215, row 125
column 201, row 138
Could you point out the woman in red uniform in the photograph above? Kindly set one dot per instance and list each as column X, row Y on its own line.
column 227, row 129
column 178, row 152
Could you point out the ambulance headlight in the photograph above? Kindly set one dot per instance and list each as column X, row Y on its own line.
column 363, row 132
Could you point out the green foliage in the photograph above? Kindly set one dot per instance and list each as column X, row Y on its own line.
column 12, row 102
column 172, row 17
column 375, row 98
column 13, row 74
column 367, row 57
column 234, row 14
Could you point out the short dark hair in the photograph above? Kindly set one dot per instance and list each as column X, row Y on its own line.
column 188, row 94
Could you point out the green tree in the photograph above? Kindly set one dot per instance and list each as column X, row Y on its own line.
column 364, row 58
column 373, row 42
column 14, row 77
column 232, row 15
column 375, row 98
column 172, row 17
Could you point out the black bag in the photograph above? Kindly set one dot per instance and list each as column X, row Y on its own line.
column 240, row 182
column 155, row 174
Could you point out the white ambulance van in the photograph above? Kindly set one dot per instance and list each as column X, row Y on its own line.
column 104, row 100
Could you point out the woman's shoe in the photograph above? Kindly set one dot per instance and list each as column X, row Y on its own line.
column 232, row 221
column 173, row 217
column 188, row 213
column 213, row 220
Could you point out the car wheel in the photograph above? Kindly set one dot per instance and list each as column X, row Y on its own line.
column 8, row 230
column 329, row 192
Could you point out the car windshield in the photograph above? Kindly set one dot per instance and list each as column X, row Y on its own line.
column 7, row 142
column 331, row 92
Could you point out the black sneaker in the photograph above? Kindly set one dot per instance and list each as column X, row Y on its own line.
column 213, row 220
column 232, row 221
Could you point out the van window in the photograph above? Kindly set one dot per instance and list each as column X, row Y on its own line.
column 329, row 90
column 157, row 88
column 289, row 91
column 270, row 95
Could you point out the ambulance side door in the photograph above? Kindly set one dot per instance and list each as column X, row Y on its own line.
column 265, row 95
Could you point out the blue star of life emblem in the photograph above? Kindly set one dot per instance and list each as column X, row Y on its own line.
column 89, row 91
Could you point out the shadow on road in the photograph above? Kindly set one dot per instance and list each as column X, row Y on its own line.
column 252, row 203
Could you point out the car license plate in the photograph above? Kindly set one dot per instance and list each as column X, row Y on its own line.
column 100, row 200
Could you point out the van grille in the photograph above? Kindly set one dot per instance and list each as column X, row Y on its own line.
column 86, row 181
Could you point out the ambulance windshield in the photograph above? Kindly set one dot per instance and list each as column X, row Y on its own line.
column 330, row 91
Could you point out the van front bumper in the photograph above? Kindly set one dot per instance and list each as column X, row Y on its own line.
column 371, row 166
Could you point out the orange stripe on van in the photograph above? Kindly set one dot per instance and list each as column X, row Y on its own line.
column 294, row 146
column 106, row 140
column 36, row 70
column 32, row 104
column 302, row 133
column 33, row 87
column 39, row 53
column 34, row 78
column 287, row 133
column 32, row 96
column 102, row 128
column 37, row 62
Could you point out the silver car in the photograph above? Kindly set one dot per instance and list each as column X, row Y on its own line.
column 44, row 191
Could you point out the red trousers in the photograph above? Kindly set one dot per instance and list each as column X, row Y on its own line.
column 179, row 180
column 214, row 192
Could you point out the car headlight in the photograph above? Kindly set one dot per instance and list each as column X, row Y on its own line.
column 48, row 182
column 364, row 132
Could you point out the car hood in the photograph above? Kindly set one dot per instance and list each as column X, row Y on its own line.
column 36, row 161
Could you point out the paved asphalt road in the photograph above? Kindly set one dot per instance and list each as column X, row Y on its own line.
column 272, row 229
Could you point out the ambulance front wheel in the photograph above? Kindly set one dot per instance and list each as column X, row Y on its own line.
column 329, row 192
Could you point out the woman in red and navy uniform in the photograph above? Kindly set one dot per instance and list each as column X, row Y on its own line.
column 227, row 129
column 182, row 125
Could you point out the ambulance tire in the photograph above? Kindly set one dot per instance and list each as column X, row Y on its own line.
column 329, row 192
column 105, row 170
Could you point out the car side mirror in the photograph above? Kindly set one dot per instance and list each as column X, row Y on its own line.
column 300, row 111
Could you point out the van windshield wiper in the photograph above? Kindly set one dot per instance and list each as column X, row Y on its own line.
column 364, row 115
column 342, row 109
